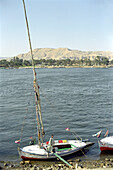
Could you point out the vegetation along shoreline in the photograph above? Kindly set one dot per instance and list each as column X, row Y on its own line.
column 98, row 62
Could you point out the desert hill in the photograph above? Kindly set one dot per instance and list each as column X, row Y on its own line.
column 64, row 53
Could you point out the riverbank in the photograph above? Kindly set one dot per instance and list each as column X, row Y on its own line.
column 27, row 67
column 55, row 66
column 75, row 165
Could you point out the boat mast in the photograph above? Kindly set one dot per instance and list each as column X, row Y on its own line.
column 36, row 89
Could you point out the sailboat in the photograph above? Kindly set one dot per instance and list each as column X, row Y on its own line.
column 51, row 149
column 61, row 149
column 106, row 144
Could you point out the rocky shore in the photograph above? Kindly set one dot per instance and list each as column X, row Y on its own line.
column 77, row 165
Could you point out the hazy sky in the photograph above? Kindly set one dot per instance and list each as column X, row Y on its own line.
column 75, row 24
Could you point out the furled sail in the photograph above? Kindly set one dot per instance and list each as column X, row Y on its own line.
column 36, row 89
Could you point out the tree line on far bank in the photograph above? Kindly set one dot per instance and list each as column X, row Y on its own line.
column 16, row 62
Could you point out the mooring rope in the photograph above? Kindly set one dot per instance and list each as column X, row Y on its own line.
column 22, row 129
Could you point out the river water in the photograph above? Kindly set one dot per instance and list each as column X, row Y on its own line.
column 78, row 98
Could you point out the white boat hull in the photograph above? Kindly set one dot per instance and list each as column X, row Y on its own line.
column 33, row 152
column 106, row 144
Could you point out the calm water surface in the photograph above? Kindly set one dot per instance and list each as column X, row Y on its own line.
column 78, row 98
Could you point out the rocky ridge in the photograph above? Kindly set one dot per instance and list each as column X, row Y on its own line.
column 64, row 53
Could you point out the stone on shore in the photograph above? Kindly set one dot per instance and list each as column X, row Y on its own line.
column 76, row 165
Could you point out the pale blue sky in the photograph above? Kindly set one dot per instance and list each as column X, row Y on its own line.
column 76, row 24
